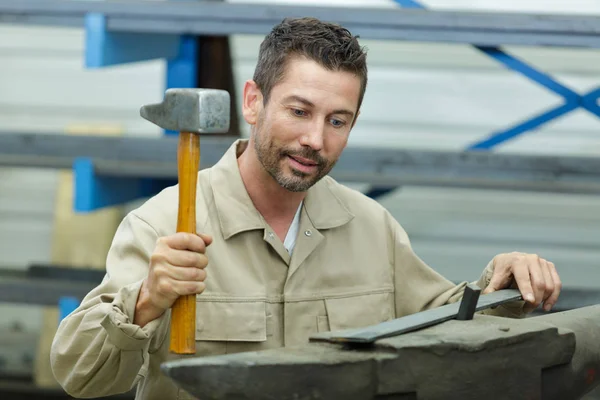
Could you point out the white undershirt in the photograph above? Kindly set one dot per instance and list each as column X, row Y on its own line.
column 292, row 233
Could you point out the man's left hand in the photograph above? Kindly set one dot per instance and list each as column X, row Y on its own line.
column 535, row 277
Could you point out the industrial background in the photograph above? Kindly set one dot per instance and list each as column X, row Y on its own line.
column 423, row 95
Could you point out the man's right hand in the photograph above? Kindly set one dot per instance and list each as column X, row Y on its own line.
column 177, row 268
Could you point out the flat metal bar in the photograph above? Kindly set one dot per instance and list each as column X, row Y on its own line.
column 41, row 292
column 205, row 17
column 373, row 32
column 415, row 321
column 89, row 275
column 157, row 158
column 469, row 169
column 60, row 150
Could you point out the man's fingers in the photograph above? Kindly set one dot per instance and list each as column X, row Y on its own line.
column 188, row 288
column 186, row 274
column 186, row 241
column 184, row 258
column 501, row 277
column 523, row 280
column 548, row 281
column 538, row 282
column 206, row 238
column 495, row 283
column 553, row 298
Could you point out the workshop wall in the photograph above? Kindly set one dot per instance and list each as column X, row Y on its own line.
column 432, row 96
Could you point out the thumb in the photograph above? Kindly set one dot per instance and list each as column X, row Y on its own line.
column 206, row 237
column 496, row 283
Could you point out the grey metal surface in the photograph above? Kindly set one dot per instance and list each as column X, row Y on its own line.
column 206, row 17
column 550, row 357
column 115, row 156
column 469, row 169
column 19, row 288
column 191, row 110
column 17, row 351
column 413, row 322
column 157, row 158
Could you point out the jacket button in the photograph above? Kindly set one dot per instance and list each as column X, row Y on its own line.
column 308, row 232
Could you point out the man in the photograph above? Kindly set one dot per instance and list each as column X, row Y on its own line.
column 289, row 251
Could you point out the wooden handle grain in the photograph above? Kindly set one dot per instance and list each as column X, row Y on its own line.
column 183, row 312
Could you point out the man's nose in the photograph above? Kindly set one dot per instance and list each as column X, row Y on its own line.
column 313, row 136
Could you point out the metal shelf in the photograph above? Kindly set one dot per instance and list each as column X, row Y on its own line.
column 134, row 157
column 115, row 170
column 215, row 18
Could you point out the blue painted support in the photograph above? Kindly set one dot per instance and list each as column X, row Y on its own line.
column 93, row 192
column 573, row 100
column 590, row 101
column 105, row 48
column 516, row 65
column 66, row 305
column 409, row 4
column 182, row 70
column 527, row 125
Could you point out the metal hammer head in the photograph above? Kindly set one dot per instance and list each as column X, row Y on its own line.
column 191, row 110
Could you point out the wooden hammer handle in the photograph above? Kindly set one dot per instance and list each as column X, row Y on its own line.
column 183, row 311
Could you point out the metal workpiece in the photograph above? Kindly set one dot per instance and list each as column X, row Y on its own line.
column 549, row 357
column 471, row 301
column 221, row 18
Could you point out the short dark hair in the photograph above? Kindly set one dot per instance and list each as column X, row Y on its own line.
column 329, row 44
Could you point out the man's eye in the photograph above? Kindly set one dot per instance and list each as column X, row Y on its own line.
column 299, row 113
column 337, row 123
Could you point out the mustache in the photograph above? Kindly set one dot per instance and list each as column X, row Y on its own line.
column 307, row 153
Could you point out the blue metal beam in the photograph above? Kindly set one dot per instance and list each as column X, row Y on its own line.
column 93, row 192
column 182, row 71
column 516, row 65
column 590, row 102
column 572, row 100
column 527, row 125
column 409, row 4
column 103, row 49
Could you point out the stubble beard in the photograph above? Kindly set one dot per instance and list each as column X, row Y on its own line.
column 271, row 156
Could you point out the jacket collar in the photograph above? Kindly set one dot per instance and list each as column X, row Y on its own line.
column 236, row 213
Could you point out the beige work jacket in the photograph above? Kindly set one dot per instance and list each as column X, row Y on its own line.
column 352, row 266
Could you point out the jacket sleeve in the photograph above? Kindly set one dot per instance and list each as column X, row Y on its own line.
column 419, row 287
column 97, row 350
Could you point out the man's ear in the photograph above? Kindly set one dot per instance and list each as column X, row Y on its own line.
column 252, row 104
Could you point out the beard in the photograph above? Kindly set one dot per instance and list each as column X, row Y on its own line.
column 270, row 155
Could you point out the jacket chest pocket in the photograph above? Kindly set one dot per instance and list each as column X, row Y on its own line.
column 220, row 324
column 357, row 311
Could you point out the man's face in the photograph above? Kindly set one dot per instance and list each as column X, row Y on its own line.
column 301, row 132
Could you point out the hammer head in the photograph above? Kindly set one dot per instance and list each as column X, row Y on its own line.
column 191, row 110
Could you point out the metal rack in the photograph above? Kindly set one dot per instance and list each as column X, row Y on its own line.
column 114, row 170
column 143, row 165
column 209, row 17
column 114, row 30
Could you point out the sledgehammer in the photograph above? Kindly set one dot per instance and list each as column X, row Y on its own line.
column 190, row 112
